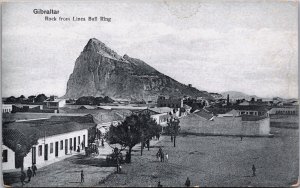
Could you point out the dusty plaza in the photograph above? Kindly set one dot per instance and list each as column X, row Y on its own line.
column 219, row 161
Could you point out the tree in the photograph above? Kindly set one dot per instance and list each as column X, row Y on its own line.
column 133, row 130
column 40, row 98
column 11, row 99
column 173, row 129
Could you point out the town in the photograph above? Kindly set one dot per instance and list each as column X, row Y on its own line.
column 70, row 135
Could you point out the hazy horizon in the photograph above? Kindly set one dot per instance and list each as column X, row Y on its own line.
column 216, row 46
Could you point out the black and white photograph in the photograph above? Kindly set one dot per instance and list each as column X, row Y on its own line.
column 162, row 93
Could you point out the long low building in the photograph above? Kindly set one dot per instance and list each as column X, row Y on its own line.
column 284, row 110
column 245, row 125
column 56, row 137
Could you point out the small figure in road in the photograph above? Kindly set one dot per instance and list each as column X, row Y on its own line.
column 82, row 176
column 159, row 185
column 29, row 174
column 34, row 169
column 241, row 138
column 167, row 157
column 253, row 170
column 187, row 182
column 22, row 178
column 162, row 157
column 102, row 142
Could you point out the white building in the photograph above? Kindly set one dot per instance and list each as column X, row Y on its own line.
column 56, row 103
column 57, row 137
column 284, row 110
column 6, row 108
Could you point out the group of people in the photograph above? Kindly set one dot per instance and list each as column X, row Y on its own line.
column 31, row 172
column 161, row 156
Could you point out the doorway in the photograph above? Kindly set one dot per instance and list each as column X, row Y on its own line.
column 46, row 152
column 66, row 146
column 56, row 149
column 33, row 155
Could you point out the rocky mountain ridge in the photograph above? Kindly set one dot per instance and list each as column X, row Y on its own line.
column 100, row 71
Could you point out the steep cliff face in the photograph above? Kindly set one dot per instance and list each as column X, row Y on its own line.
column 99, row 71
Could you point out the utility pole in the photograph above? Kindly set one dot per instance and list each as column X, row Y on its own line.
column 175, row 127
column 141, row 139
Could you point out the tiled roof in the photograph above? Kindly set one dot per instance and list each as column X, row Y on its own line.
column 204, row 114
column 13, row 137
column 53, row 126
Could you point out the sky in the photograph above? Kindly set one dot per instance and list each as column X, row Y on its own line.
column 217, row 46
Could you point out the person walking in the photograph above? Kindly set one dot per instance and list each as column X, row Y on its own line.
column 102, row 142
column 22, row 178
column 34, row 169
column 81, row 176
column 162, row 157
column 159, row 185
column 187, row 182
column 29, row 174
column 253, row 170
column 167, row 157
column 157, row 156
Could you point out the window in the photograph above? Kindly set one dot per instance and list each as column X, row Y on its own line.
column 71, row 147
column 40, row 150
column 61, row 145
column 4, row 156
column 51, row 147
column 83, row 140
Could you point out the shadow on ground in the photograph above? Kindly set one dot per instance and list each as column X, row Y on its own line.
column 89, row 161
column 11, row 177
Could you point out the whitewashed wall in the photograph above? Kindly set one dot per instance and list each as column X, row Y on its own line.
column 10, row 158
column 51, row 156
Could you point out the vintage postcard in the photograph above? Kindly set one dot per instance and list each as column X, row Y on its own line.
column 159, row 93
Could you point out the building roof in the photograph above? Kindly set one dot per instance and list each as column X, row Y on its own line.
column 49, row 127
column 100, row 115
column 251, row 107
column 252, row 118
column 218, row 110
column 150, row 111
column 161, row 110
column 204, row 114
column 12, row 138
column 54, row 100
